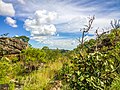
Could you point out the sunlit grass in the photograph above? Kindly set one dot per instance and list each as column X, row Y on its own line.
column 116, row 84
column 39, row 79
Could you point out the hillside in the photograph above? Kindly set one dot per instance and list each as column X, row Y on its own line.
column 94, row 65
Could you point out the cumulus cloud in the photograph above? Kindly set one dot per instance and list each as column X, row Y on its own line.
column 6, row 9
column 11, row 22
column 41, row 23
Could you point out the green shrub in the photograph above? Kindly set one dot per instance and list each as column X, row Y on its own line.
column 33, row 54
column 94, row 70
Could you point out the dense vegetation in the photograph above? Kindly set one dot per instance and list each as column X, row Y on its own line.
column 17, row 70
column 93, row 65
column 96, row 67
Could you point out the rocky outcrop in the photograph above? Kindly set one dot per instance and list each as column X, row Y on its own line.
column 11, row 45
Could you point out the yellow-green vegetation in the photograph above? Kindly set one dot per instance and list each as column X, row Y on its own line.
column 116, row 84
column 92, row 65
column 38, row 80
column 32, row 69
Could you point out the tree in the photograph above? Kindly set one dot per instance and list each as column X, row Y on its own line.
column 23, row 38
column 4, row 35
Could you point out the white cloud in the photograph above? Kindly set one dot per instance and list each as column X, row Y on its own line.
column 6, row 9
column 68, row 17
column 16, row 35
column 67, row 10
column 72, row 26
column 21, row 1
column 100, row 24
column 11, row 22
column 61, row 43
column 56, row 42
column 41, row 23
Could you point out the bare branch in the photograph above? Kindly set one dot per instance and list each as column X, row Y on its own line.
column 97, row 32
column 88, row 27
column 115, row 24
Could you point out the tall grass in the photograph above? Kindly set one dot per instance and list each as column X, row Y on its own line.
column 40, row 78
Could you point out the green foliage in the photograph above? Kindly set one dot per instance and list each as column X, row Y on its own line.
column 51, row 55
column 8, row 70
column 116, row 84
column 5, row 71
column 15, row 68
column 94, row 70
column 33, row 54
column 93, row 65
column 23, row 38
column 39, row 79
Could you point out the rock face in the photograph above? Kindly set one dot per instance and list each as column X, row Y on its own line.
column 11, row 45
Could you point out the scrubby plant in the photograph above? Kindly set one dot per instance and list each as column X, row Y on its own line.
column 96, row 69
column 51, row 54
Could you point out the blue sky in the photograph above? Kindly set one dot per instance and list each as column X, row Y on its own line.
column 55, row 23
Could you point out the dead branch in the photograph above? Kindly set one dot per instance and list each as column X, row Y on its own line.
column 88, row 27
column 115, row 24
